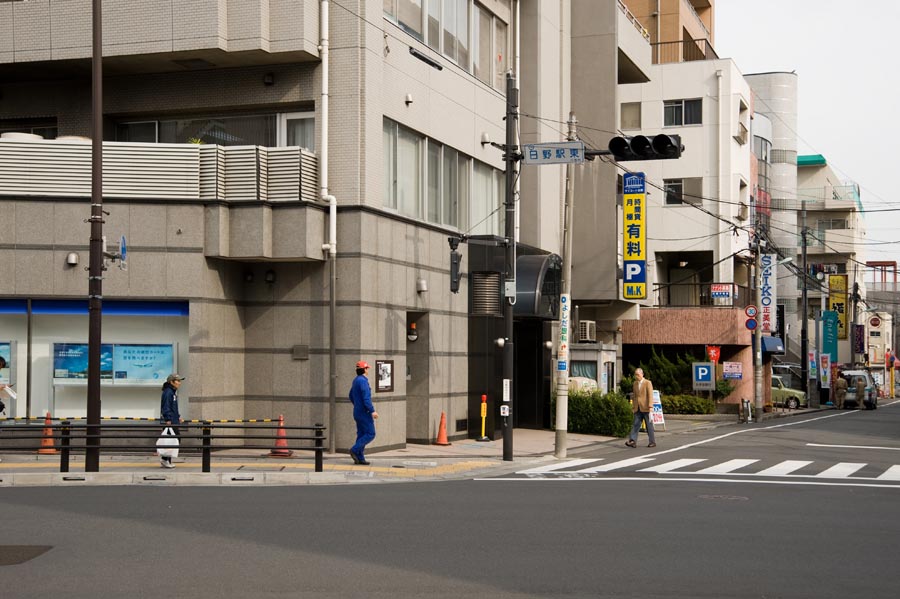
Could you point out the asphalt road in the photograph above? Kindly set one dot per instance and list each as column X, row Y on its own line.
column 602, row 534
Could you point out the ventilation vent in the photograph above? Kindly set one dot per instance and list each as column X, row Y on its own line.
column 587, row 331
column 486, row 293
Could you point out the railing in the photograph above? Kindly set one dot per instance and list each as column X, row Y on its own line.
column 697, row 16
column 637, row 24
column 687, row 51
column 715, row 295
column 62, row 168
column 67, row 437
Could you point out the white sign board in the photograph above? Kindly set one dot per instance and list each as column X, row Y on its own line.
column 563, row 152
column 656, row 414
column 732, row 370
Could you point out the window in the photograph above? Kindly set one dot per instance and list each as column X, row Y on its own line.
column 682, row 112
column 256, row 130
column 683, row 191
column 491, row 45
column 407, row 14
column 631, row 115
column 297, row 129
column 410, row 161
column 487, row 192
column 456, row 31
column 45, row 128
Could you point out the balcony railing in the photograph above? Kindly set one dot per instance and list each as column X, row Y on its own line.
column 687, row 51
column 62, row 168
column 637, row 24
column 715, row 295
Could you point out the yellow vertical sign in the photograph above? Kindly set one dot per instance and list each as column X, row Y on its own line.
column 837, row 301
column 634, row 237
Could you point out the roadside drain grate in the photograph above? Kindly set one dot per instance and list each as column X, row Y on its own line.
column 261, row 469
column 13, row 555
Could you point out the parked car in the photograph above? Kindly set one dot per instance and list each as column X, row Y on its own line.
column 870, row 401
column 782, row 395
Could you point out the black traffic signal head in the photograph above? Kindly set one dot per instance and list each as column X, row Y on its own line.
column 455, row 260
column 641, row 147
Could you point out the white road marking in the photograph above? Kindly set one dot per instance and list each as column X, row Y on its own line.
column 726, row 467
column 784, row 468
column 852, row 446
column 841, row 470
column 892, row 473
column 558, row 466
column 667, row 479
column 615, row 465
column 669, row 466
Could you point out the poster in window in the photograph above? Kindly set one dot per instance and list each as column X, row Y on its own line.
column 70, row 361
column 142, row 364
column 384, row 373
column 6, row 354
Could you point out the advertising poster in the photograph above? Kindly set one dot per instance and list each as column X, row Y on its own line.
column 837, row 301
column 148, row 364
column 70, row 361
column 768, row 316
column 6, row 354
column 634, row 219
column 656, row 414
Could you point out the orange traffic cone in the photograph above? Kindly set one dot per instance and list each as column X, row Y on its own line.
column 47, row 441
column 442, row 431
column 281, row 450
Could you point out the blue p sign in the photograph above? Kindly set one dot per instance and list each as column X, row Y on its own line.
column 703, row 376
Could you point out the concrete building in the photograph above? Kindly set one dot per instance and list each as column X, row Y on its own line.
column 224, row 141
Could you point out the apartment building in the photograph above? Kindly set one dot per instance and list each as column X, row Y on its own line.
column 223, row 144
column 833, row 214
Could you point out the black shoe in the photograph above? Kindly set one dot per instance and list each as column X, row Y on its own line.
column 630, row 443
column 355, row 457
column 363, row 463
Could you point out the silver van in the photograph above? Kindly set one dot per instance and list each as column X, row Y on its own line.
column 870, row 401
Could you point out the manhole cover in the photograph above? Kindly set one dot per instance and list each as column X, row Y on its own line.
column 13, row 555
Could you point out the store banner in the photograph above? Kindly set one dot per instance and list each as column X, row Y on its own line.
column 837, row 301
column 830, row 334
column 768, row 308
column 634, row 235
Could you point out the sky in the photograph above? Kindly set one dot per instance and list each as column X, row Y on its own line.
column 844, row 54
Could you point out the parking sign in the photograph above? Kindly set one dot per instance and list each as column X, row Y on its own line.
column 703, row 375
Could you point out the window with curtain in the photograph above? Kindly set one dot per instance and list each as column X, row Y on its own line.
column 241, row 130
column 456, row 31
column 631, row 115
column 485, row 217
column 409, row 172
column 406, row 13
column 584, row 368
column 490, row 48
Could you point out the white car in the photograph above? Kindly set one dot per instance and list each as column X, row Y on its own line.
column 870, row 401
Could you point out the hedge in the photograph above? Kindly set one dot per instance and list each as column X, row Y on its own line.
column 592, row 413
column 687, row 404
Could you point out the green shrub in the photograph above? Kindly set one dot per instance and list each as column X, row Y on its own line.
column 592, row 413
column 687, row 404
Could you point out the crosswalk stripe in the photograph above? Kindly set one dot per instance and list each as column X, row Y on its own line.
column 726, row 467
column 615, row 465
column 785, row 467
column 668, row 467
column 840, row 470
column 892, row 473
column 559, row 466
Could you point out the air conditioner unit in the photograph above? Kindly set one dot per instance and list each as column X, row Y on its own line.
column 587, row 331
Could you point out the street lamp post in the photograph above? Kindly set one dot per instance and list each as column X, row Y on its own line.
column 95, row 268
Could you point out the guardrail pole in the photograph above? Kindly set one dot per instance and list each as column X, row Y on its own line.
column 320, row 438
column 64, row 446
column 207, row 446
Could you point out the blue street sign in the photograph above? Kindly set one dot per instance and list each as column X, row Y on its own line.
column 564, row 152
column 703, row 375
column 635, row 271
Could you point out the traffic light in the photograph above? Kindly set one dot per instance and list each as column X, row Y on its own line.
column 455, row 259
column 641, row 147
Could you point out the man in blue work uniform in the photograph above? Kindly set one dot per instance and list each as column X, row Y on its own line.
column 363, row 412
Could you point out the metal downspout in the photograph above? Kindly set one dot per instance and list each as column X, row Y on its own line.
column 331, row 246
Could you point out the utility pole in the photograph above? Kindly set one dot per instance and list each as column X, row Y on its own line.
column 95, row 269
column 511, row 156
column 562, row 372
column 804, row 325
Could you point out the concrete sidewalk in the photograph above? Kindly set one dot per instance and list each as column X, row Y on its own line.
column 461, row 459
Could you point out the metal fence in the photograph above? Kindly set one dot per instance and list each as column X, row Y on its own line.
column 66, row 437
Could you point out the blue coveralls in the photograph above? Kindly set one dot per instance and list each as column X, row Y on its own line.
column 361, row 396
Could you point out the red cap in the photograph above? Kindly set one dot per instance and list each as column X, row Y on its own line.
column 362, row 364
